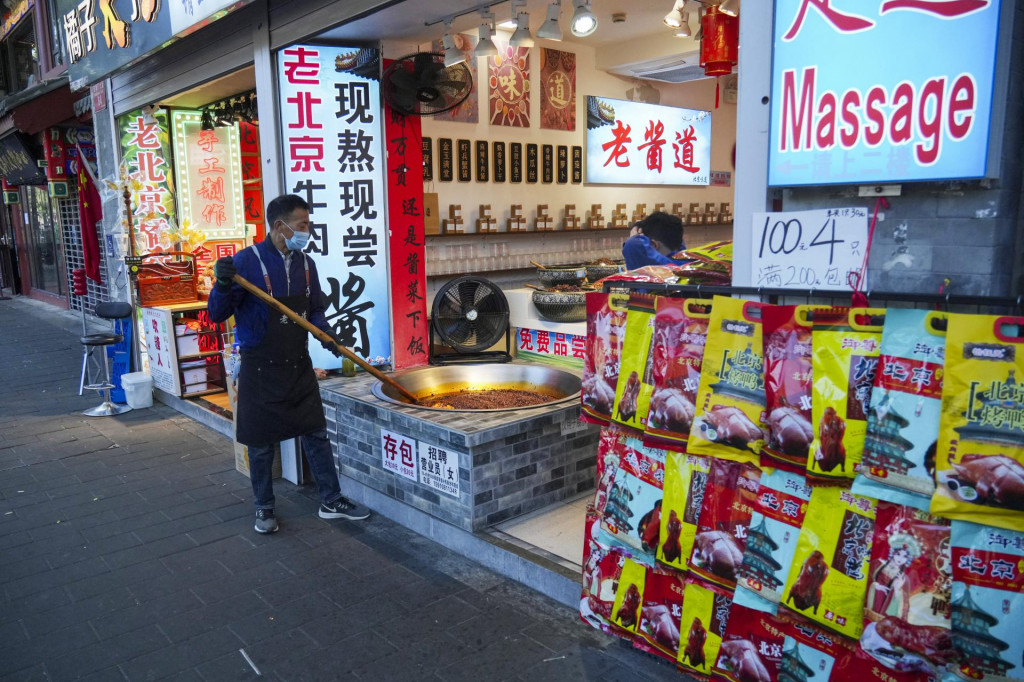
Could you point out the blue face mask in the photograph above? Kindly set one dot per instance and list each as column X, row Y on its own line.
column 298, row 240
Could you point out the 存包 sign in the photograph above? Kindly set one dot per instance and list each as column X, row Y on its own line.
column 882, row 91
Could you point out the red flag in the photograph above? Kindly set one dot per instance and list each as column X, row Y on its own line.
column 90, row 209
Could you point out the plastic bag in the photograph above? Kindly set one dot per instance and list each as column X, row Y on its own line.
column 724, row 519
column 787, row 386
column 606, row 327
column 632, row 514
column 602, row 566
column 980, row 456
column 829, row 575
column 702, row 625
column 629, row 596
column 903, row 424
column 751, row 649
column 988, row 600
column 730, row 400
column 782, row 500
column 661, row 611
column 680, row 334
column 633, row 390
column 610, row 448
column 907, row 624
column 846, row 345
column 686, row 478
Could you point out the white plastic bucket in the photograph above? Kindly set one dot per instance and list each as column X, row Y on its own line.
column 138, row 389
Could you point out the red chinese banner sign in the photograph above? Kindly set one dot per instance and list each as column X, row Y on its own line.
column 405, row 249
column 508, row 79
column 146, row 155
column 252, row 178
column 557, row 89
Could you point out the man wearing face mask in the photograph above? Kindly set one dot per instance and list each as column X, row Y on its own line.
column 278, row 396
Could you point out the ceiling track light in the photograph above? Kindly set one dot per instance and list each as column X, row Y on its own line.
column 684, row 26
column 583, row 20
column 512, row 23
column 674, row 19
column 730, row 7
column 551, row 30
column 521, row 37
column 485, row 47
column 452, row 54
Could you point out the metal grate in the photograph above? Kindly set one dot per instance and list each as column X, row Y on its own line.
column 74, row 256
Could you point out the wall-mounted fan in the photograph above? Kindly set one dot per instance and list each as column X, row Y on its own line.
column 470, row 314
column 421, row 85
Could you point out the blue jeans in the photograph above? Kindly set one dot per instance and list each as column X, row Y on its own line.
column 321, row 463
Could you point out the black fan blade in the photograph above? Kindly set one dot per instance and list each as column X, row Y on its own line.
column 402, row 79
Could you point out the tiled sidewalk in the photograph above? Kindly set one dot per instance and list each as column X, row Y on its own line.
column 127, row 553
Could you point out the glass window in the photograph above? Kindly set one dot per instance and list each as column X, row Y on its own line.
column 45, row 250
column 58, row 47
column 21, row 47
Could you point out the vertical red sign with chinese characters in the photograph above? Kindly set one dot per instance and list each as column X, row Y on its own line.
column 405, row 247
column 252, row 178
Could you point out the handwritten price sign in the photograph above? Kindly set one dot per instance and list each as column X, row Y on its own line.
column 808, row 249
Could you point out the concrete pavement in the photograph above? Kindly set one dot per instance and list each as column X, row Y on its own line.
column 127, row 553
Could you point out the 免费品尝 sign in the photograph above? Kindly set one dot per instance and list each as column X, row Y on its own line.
column 633, row 143
column 882, row 91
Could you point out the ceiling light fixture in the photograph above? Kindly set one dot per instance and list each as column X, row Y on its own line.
column 512, row 23
column 674, row 19
column 485, row 47
column 551, row 30
column 684, row 26
column 730, row 7
column 206, row 122
column 452, row 54
column 521, row 37
column 583, row 20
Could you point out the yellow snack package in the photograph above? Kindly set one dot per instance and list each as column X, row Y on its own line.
column 846, row 347
column 686, row 478
column 731, row 400
column 636, row 381
column 829, row 575
column 702, row 625
column 979, row 464
column 629, row 596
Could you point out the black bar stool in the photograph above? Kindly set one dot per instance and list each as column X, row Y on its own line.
column 97, row 343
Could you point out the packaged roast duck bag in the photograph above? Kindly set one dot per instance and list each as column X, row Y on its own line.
column 988, row 602
column 629, row 596
column 846, row 345
column 702, row 626
column 610, row 450
column 979, row 464
column 633, row 390
column 787, row 386
column 898, row 464
column 632, row 514
column 602, row 566
column 906, row 611
column 782, row 500
column 686, row 479
column 606, row 328
column 829, row 575
column 677, row 350
column 730, row 399
column 723, row 522
column 661, row 611
column 751, row 649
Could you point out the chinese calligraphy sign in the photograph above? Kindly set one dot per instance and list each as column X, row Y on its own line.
column 558, row 89
column 209, row 171
column 508, row 79
column 646, row 144
column 146, row 155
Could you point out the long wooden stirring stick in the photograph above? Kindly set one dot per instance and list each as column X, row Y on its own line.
column 322, row 336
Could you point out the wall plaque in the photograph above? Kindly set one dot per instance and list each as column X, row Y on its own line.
column 465, row 163
column 499, row 161
column 445, row 159
column 563, row 164
column 577, row 165
column 531, row 163
column 428, row 159
column 515, row 161
column 548, row 161
column 483, row 169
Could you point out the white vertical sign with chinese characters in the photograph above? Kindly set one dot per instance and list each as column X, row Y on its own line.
column 208, row 166
column 632, row 143
column 439, row 468
column 333, row 158
column 809, row 249
column 398, row 454
column 163, row 366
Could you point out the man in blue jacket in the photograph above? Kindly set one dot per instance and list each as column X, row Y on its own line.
column 652, row 240
column 278, row 396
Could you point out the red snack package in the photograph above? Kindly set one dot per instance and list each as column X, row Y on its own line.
column 907, row 608
column 729, row 501
column 606, row 327
column 787, row 386
column 752, row 647
column 680, row 332
column 661, row 611
column 609, row 454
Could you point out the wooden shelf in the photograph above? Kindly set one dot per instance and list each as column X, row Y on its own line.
column 199, row 356
column 544, row 232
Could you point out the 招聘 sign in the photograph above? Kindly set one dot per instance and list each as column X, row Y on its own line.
column 869, row 91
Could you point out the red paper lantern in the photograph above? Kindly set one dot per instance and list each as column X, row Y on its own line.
column 719, row 48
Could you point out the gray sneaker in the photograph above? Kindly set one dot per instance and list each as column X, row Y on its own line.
column 265, row 521
column 343, row 508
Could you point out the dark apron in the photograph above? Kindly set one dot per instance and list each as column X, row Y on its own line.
column 278, row 395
